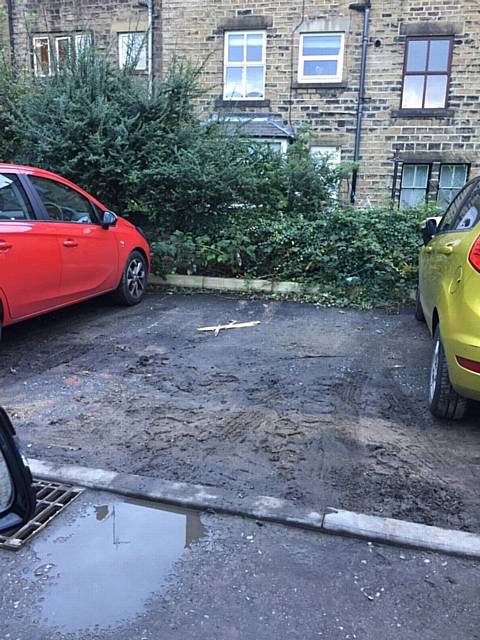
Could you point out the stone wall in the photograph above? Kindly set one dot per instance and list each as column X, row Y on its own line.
column 195, row 29
column 104, row 20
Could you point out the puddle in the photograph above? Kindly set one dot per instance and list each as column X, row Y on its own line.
column 101, row 566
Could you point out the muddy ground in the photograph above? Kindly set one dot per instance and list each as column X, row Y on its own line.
column 323, row 406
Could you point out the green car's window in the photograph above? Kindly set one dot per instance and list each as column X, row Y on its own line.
column 451, row 214
column 469, row 214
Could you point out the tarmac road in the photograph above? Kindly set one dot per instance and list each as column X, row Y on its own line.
column 323, row 406
column 106, row 570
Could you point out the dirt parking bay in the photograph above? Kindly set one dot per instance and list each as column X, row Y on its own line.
column 322, row 406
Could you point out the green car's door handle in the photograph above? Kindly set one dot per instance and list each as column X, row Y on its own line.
column 446, row 250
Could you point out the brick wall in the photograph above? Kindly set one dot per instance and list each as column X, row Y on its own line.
column 195, row 29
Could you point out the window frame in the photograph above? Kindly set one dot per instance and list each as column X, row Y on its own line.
column 452, row 164
column 19, row 183
column 340, row 58
column 333, row 156
column 462, row 196
column 57, row 56
column 122, row 51
column 37, row 198
column 244, row 64
column 426, row 73
column 427, row 186
column 37, row 66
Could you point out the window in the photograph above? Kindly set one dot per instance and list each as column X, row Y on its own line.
column 51, row 52
column 321, row 57
column 83, row 41
column 413, row 190
column 63, row 203
column 13, row 205
column 132, row 50
column 448, row 220
column 332, row 155
column 452, row 179
column 41, row 56
column 277, row 146
column 469, row 215
column 62, row 51
column 426, row 73
column 244, row 76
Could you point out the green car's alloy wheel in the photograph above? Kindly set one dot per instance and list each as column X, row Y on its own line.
column 444, row 401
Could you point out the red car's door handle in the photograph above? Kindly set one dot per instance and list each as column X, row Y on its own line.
column 70, row 243
column 5, row 246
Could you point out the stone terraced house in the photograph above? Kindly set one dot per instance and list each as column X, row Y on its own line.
column 394, row 84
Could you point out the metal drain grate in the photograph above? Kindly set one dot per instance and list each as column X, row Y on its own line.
column 52, row 498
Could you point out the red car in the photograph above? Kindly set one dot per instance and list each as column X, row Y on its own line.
column 59, row 245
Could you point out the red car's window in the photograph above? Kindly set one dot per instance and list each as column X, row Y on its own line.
column 63, row 203
column 13, row 203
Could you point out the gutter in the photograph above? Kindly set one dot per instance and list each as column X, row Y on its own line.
column 150, row 47
column 10, row 29
column 365, row 9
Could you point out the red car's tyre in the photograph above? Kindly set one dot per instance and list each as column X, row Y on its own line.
column 133, row 284
column 444, row 401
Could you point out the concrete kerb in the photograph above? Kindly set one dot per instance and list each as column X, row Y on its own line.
column 265, row 508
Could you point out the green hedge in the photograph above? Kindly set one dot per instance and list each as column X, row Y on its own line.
column 355, row 256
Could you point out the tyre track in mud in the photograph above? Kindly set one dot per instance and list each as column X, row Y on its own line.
column 321, row 406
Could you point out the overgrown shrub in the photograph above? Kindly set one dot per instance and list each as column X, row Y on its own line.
column 354, row 256
column 216, row 202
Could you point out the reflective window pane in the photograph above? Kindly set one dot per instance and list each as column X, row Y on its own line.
column 322, row 45
column 254, row 47
column 42, row 56
column 446, row 175
column 63, row 51
column 233, row 82
column 436, row 93
column 459, row 175
column 413, row 92
column 235, row 47
column 421, row 176
column 408, row 175
column 439, row 55
column 417, row 55
column 411, row 197
column 255, row 82
column 320, row 67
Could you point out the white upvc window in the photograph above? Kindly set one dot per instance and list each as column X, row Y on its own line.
column 42, row 60
column 452, row 178
column 132, row 48
column 414, row 184
column 333, row 155
column 321, row 57
column 244, row 66
column 279, row 145
column 83, row 41
column 62, row 51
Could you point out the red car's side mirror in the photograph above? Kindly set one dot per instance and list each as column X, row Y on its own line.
column 17, row 497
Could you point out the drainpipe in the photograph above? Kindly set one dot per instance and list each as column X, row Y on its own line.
column 365, row 9
column 150, row 47
column 10, row 29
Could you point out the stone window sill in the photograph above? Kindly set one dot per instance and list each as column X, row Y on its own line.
column 422, row 113
column 319, row 85
column 235, row 104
